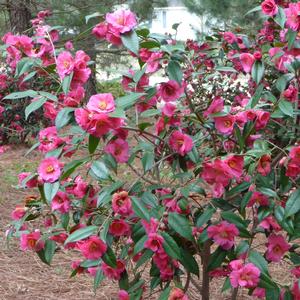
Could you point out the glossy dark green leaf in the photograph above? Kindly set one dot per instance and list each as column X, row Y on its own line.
column 170, row 246
column 293, row 204
column 131, row 41
column 181, row 225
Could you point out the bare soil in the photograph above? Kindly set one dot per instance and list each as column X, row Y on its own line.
column 24, row 276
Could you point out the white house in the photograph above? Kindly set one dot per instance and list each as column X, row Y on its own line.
column 176, row 12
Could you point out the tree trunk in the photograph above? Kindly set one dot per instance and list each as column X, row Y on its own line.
column 19, row 15
column 91, row 85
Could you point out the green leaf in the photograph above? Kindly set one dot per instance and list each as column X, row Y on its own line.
column 131, row 41
column 165, row 294
column 91, row 16
column 34, row 105
column 238, row 189
column 48, row 96
column 93, row 143
column 266, row 282
column 66, row 83
column 50, row 190
column 170, row 246
column 216, row 258
column 98, row 279
column 118, row 113
column 286, row 107
column 81, row 234
column 205, row 216
column 139, row 246
column 128, row 100
column 64, row 117
column 29, row 76
column 283, row 81
column 174, row 71
column 49, row 250
column 233, row 218
column 258, row 71
column 189, row 262
column 47, row 253
column 256, row 97
column 257, row 259
column 140, row 209
column 109, row 258
column 291, row 37
column 144, row 258
column 147, row 161
column 226, row 69
column 181, row 225
column 71, row 167
column 150, row 113
column 280, row 17
column 293, row 204
column 255, row 9
column 226, row 285
column 100, row 170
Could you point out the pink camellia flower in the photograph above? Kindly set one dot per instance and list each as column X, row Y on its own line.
column 100, row 30
column 119, row 149
column 229, row 37
column 235, row 164
column 92, row 248
column 113, row 273
column 259, row 293
column 153, row 63
column 180, row 142
column 123, row 295
column 31, row 241
column 31, row 183
column 65, row 64
column 119, row 228
column 293, row 16
column 243, row 275
column 121, row 21
column 269, row 7
column 170, row 90
column 217, row 174
column 223, row 234
column 217, row 105
column 128, row 83
column 264, row 165
column 154, row 242
column 121, row 204
column 247, row 61
column 69, row 45
column 101, row 103
column 177, row 294
column 296, row 291
column 74, row 97
column 291, row 93
column 48, row 139
column 19, row 212
column 151, row 226
column 225, row 124
column 293, row 170
column 295, row 154
column 262, row 119
column 296, row 272
column 259, row 199
column 61, row 202
column 49, row 169
column 277, row 247
column 269, row 223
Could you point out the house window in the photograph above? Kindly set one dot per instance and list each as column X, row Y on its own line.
column 164, row 19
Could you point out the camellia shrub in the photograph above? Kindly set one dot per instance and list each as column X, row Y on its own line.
column 192, row 180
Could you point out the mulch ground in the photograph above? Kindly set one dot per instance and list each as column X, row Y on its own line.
column 24, row 276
